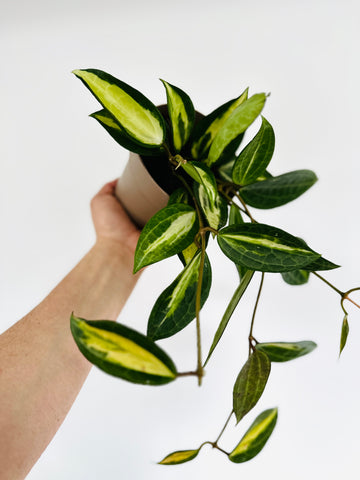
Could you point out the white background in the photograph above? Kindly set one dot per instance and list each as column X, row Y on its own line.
column 54, row 159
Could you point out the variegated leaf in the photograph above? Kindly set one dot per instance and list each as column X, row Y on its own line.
column 181, row 113
column 176, row 306
column 239, row 120
column 255, row 157
column 256, row 437
column 215, row 212
column 137, row 115
column 261, row 247
column 250, row 383
column 168, row 232
column 209, row 126
column 122, row 352
column 181, row 456
column 204, row 176
column 107, row 121
column 285, row 351
column 181, row 195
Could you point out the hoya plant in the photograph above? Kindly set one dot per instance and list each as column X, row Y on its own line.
column 215, row 183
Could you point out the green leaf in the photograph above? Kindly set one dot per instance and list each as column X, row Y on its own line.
column 203, row 176
column 215, row 213
column 285, row 351
column 168, row 232
column 296, row 277
column 180, row 195
column 320, row 264
column 256, row 437
column 261, row 247
column 344, row 333
column 136, row 114
column 277, row 191
column 239, row 292
column 240, row 119
column 181, row 113
column 176, row 306
column 188, row 254
column 119, row 135
column 250, row 383
column 225, row 170
column 235, row 218
column 253, row 160
column 122, row 352
column 209, row 126
column 181, row 456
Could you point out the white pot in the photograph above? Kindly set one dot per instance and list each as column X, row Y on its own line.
column 138, row 192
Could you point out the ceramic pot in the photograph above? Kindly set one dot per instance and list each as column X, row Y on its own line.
column 138, row 192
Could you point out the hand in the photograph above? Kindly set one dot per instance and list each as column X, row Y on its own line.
column 111, row 222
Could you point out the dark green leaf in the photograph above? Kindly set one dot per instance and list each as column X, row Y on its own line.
column 256, row 437
column 136, row 114
column 235, row 218
column 250, row 383
column 122, row 352
column 320, row 264
column 181, row 113
column 168, row 232
column 277, row 191
column 296, row 277
column 255, row 157
column 261, row 247
column 239, row 120
column 180, row 195
column 344, row 333
column 225, row 170
column 119, row 135
column 208, row 127
column 239, row 292
column 178, row 457
column 176, row 306
column 285, row 351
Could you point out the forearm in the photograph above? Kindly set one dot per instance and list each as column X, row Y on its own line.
column 41, row 369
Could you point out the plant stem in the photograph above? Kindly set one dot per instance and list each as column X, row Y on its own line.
column 223, row 429
column 343, row 295
column 200, row 369
column 251, row 338
column 221, row 450
column 329, row 284
column 245, row 207
column 202, row 231
column 187, row 374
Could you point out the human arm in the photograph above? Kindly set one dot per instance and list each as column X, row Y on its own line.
column 41, row 368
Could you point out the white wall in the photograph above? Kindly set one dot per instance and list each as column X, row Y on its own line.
column 54, row 158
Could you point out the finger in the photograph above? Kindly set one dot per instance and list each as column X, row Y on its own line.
column 108, row 188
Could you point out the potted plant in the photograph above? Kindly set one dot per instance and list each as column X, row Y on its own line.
column 210, row 187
